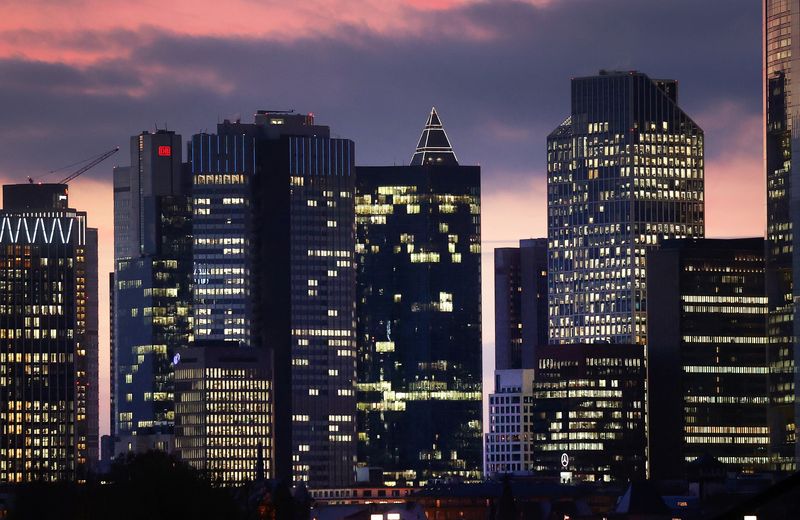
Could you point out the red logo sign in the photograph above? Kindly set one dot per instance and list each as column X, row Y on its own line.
column 164, row 151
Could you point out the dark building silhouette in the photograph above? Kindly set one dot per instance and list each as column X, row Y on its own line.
column 274, row 268
column 624, row 171
column 589, row 413
column 152, row 288
column 419, row 314
column 707, row 354
column 520, row 303
column 781, row 110
column 48, row 336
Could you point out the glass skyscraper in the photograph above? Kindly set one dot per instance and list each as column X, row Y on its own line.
column 419, row 314
column 152, row 288
column 781, row 51
column 274, row 241
column 48, row 336
column 624, row 171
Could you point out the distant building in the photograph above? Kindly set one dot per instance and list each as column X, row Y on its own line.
column 152, row 288
column 707, row 354
column 419, row 314
column 48, row 336
column 589, row 413
column 624, row 171
column 509, row 441
column 223, row 416
column 520, row 303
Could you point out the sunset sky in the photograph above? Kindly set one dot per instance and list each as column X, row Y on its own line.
column 78, row 77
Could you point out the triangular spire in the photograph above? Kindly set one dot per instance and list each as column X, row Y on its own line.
column 434, row 146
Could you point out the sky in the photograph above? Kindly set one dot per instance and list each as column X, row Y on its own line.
column 78, row 77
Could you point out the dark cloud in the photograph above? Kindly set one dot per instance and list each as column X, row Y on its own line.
column 500, row 88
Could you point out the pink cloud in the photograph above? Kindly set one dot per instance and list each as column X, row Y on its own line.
column 735, row 184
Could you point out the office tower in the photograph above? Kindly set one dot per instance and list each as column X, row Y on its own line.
column 707, row 353
column 223, row 168
column 48, row 337
column 520, row 303
column 588, row 413
column 223, row 421
column 624, row 171
column 419, row 314
column 781, row 49
column 509, row 441
column 152, row 293
column 273, row 252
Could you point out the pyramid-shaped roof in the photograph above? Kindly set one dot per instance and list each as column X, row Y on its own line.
column 434, row 146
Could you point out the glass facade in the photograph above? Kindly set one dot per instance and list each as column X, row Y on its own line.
column 708, row 350
column 781, row 109
column 306, row 280
column 152, row 286
column 589, row 413
column 624, row 171
column 48, row 346
column 419, row 318
column 223, row 166
column 223, row 416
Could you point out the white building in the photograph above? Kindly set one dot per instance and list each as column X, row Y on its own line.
column 509, row 441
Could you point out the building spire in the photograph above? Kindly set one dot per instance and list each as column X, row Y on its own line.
column 434, row 146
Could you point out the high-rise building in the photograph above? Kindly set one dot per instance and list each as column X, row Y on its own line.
column 48, row 336
column 419, row 314
column 152, row 291
column 707, row 353
column 223, row 420
column 781, row 50
column 273, row 268
column 624, row 171
column 509, row 438
column 589, row 413
column 520, row 303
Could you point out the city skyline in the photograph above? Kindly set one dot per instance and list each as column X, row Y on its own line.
column 513, row 172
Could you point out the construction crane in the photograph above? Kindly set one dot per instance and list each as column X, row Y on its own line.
column 93, row 161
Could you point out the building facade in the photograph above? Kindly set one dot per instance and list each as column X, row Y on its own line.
column 419, row 314
column 274, row 269
column 589, row 413
column 48, row 336
column 509, row 441
column 223, row 416
column 152, row 287
column 781, row 50
column 520, row 303
column 306, row 295
column 624, row 171
column 708, row 354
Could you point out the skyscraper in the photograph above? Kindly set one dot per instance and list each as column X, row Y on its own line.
column 708, row 355
column 520, row 303
column 419, row 314
column 48, row 336
column 152, row 287
column 781, row 50
column 273, row 255
column 624, row 171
